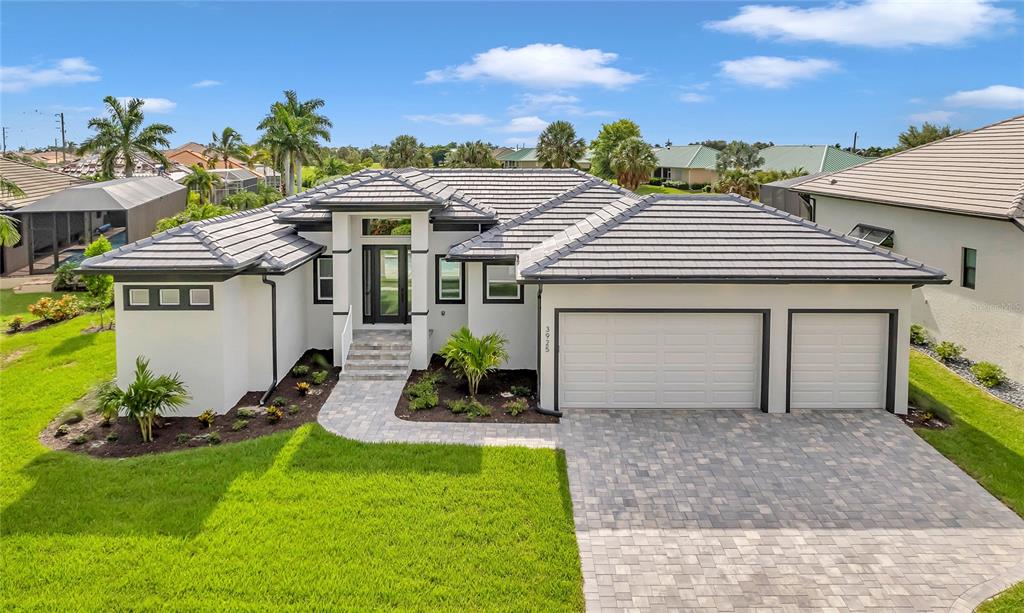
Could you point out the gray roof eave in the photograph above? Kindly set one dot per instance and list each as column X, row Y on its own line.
column 366, row 207
column 916, row 281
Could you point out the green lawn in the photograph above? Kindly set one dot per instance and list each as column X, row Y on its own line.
column 644, row 190
column 17, row 304
column 299, row 520
column 986, row 441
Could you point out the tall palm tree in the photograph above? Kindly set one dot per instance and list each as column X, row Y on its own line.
column 293, row 140
column 9, row 234
column 314, row 125
column 255, row 155
column 202, row 182
column 633, row 161
column 405, row 151
column 475, row 154
column 739, row 154
column 559, row 147
column 226, row 146
column 122, row 135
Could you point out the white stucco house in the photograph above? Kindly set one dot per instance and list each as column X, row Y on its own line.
column 618, row 301
column 958, row 204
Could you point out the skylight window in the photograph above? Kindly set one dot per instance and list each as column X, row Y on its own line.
column 872, row 234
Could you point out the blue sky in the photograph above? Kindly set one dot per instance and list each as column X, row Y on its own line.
column 785, row 72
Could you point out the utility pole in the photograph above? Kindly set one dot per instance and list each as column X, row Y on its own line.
column 4, row 129
column 854, row 142
column 64, row 140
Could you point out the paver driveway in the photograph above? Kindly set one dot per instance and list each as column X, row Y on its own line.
column 733, row 510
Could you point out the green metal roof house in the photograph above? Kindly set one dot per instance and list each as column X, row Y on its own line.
column 686, row 164
column 812, row 158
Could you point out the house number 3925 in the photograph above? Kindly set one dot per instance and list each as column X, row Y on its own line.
column 547, row 339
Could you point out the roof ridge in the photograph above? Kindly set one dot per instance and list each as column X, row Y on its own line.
column 457, row 194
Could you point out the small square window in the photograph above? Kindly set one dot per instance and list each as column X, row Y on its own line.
column 199, row 296
column 969, row 274
column 170, row 296
column 500, row 284
column 138, row 297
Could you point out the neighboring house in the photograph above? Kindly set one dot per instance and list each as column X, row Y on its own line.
column 692, row 164
column 37, row 183
column 526, row 157
column 237, row 176
column 812, row 158
column 59, row 227
column 957, row 203
column 90, row 166
column 618, row 301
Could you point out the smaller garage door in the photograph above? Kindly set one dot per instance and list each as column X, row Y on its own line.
column 839, row 360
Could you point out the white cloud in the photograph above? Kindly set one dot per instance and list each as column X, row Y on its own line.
column 872, row 23
column 153, row 105
column 451, row 119
column 992, row 97
column 694, row 97
column 63, row 72
column 916, row 100
column 553, row 103
column 206, row 83
column 540, row 65
column 525, row 125
column 933, row 116
column 775, row 72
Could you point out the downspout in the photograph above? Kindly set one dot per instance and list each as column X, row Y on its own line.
column 540, row 342
column 273, row 339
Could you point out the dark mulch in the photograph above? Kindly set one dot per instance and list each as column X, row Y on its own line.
column 32, row 326
column 489, row 395
column 128, row 443
column 916, row 418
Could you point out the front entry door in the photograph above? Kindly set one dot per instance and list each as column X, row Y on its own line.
column 386, row 284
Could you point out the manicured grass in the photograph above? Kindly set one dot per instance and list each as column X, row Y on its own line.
column 12, row 304
column 986, row 440
column 644, row 190
column 299, row 520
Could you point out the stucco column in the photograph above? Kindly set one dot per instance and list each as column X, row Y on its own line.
column 341, row 251
column 422, row 288
column 777, row 352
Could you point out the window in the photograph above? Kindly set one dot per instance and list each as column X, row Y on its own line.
column 392, row 226
column 969, row 274
column 449, row 281
column 199, row 296
column 872, row 234
column 138, row 297
column 662, row 172
column 170, row 296
column 323, row 280
column 500, row 284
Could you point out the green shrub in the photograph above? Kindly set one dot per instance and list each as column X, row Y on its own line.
column 279, row 401
column 515, row 406
column 302, row 387
column 112, row 436
column 59, row 309
column 62, row 430
column 292, row 409
column 246, row 412
column 948, row 350
column 989, row 374
column 918, row 335
column 422, row 394
column 300, row 370
column 520, row 390
column 213, row 438
column 468, row 406
column 15, row 324
column 321, row 361
column 239, row 424
column 473, row 358
column 274, row 414
column 206, row 418
column 81, row 439
column 319, row 377
column 182, row 438
column 424, row 402
column 655, row 181
column 67, row 277
column 71, row 415
column 147, row 398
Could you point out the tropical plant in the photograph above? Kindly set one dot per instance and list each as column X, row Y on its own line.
column 608, row 139
column 319, row 377
column 405, row 151
column 202, row 182
column 515, row 406
column 122, row 135
column 15, row 324
column 192, row 212
column 226, row 146
column 472, row 154
column 633, row 161
column 989, row 374
column 147, row 397
column 100, row 287
column 918, row 335
column 9, row 235
column 472, row 358
column 948, row 350
column 738, row 154
column 67, row 277
column 56, row 309
column 10, row 188
column 927, row 133
column 559, row 147
column 242, row 201
column 206, row 418
column 256, row 155
column 292, row 131
column 737, row 181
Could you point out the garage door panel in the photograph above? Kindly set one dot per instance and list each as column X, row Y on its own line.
column 838, row 360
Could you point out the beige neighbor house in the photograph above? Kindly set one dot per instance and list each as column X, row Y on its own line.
column 691, row 164
column 957, row 204
column 526, row 157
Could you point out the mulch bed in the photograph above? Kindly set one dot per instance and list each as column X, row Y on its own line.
column 489, row 395
column 916, row 418
column 127, row 441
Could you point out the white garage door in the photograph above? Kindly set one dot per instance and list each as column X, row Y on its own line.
column 839, row 360
column 659, row 360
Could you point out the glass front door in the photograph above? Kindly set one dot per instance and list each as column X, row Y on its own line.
column 386, row 284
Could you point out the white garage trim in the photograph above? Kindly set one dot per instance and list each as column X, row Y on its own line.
column 765, row 324
column 890, row 375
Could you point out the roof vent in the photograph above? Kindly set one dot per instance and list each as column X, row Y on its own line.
column 832, row 181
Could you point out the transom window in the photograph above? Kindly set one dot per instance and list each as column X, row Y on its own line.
column 969, row 274
column 138, row 296
column 199, row 296
column 387, row 226
column 872, row 234
column 323, row 280
column 500, row 283
column 449, row 281
column 168, row 298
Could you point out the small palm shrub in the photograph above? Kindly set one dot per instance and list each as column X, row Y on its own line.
column 520, row 390
column 206, row 418
column 319, row 377
column 422, row 395
column 182, row 438
column 473, row 358
column 989, row 374
column 302, row 387
column 81, row 439
column 948, row 350
column 246, row 412
column 71, row 415
column 54, row 310
column 239, row 424
column 149, row 396
column 292, row 409
column 918, row 335
column 515, row 406
column 278, row 401
column 213, row 438
column 62, row 430
column 468, row 406
column 300, row 370
column 15, row 324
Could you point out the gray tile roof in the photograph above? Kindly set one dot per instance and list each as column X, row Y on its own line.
column 113, row 195
column 710, row 238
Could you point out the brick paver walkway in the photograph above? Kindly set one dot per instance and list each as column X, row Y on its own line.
column 733, row 510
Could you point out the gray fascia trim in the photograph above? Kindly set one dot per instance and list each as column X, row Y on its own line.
column 155, row 276
column 738, row 280
column 902, row 204
column 372, row 208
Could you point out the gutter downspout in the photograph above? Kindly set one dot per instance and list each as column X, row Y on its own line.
column 273, row 339
column 540, row 342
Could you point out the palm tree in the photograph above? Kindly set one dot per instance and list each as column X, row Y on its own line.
column 122, row 135
column 226, row 146
column 311, row 124
column 475, row 154
column 202, row 182
column 145, row 399
column 558, row 146
column 737, row 181
column 739, row 154
column 405, row 151
column 9, row 235
column 255, row 155
column 633, row 161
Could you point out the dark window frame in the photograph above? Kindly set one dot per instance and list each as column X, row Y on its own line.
column 317, row 298
column 184, row 298
column 438, row 258
column 965, row 268
column 483, row 287
column 886, row 242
